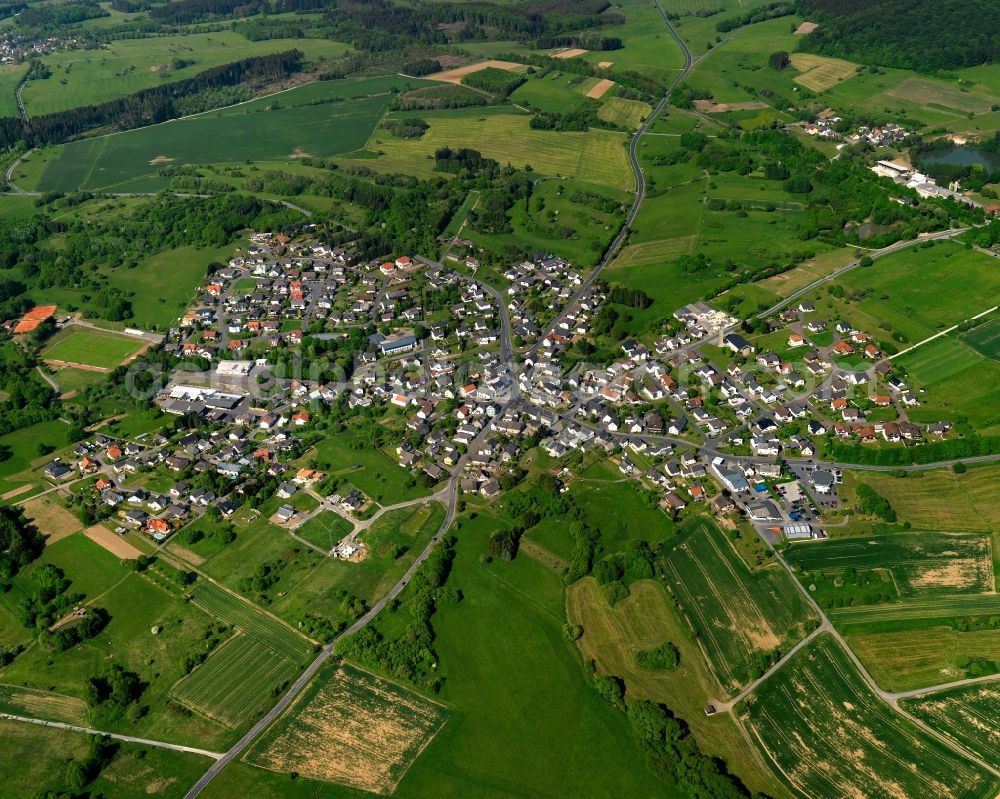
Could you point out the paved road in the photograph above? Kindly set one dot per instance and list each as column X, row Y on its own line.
column 128, row 738
column 899, row 245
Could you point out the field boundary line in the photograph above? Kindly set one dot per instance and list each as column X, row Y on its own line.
column 946, row 332
column 116, row 736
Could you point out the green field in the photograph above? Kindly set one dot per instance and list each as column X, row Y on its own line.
column 624, row 113
column 958, row 381
column 830, row 736
column 321, row 119
column 905, row 659
column 34, row 758
column 367, row 468
column 82, row 77
column 557, row 92
column 920, row 563
column 251, row 621
column 10, row 76
column 938, row 607
column 740, row 617
column 91, row 348
column 985, row 339
column 648, row 46
column 236, row 681
column 324, row 530
column 19, row 452
column 596, row 156
column 967, row 715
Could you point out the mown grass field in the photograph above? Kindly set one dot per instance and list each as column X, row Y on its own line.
column 901, row 660
column 252, row 621
column 648, row 46
column 596, row 156
column 236, row 681
column 737, row 615
column 830, row 736
column 624, row 113
column 967, row 715
column 819, row 73
column 324, row 530
column 921, row 563
column 351, row 728
column 92, row 348
column 82, row 77
column 644, row 619
column 814, row 269
column 557, row 92
column 10, row 76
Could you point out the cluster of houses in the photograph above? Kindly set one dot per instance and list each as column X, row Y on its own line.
column 826, row 126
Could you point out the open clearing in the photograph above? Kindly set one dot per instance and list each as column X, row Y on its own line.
column 920, row 563
column 819, row 73
column 572, row 52
column 92, row 348
column 830, row 736
column 236, row 679
column 51, row 518
column 352, row 728
column 738, row 616
column 455, row 75
column 967, row 715
column 805, row 27
column 112, row 542
column 250, row 620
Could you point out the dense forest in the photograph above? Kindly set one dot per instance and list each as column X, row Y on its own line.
column 148, row 106
column 925, row 35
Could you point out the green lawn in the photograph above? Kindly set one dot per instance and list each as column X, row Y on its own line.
column 346, row 456
column 19, row 452
column 556, row 92
column 91, row 347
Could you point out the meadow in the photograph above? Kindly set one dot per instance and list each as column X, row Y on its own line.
column 921, row 563
column 644, row 619
column 35, row 756
column 624, row 113
column 872, row 753
column 985, row 338
column 739, row 616
column 236, row 681
column 91, row 348
column 348, row 456
column 957, row 380
column 966, row 715
column 596, row 156
column 251, row 620
column 83, row 77
column 19, row 453
column 10, row 77
column 557, row 92
column 939, row 499
column 648, row 46
column 352, row 728
column 324, row 530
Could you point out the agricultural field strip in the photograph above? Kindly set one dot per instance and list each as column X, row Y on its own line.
column 941, row 607
column 873, row 755
column 967, row 715
column 918, row 562
column 231, row 683
column 253, row 622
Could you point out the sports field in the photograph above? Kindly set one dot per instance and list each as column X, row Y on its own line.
column 967, row 715
column 921, row 563
column 238, row 677
column 255, row 623
column 597, row 156
column 92, row 348
column 351, row 728
column 321, row 119
column 830, row 736
column 740, row 617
